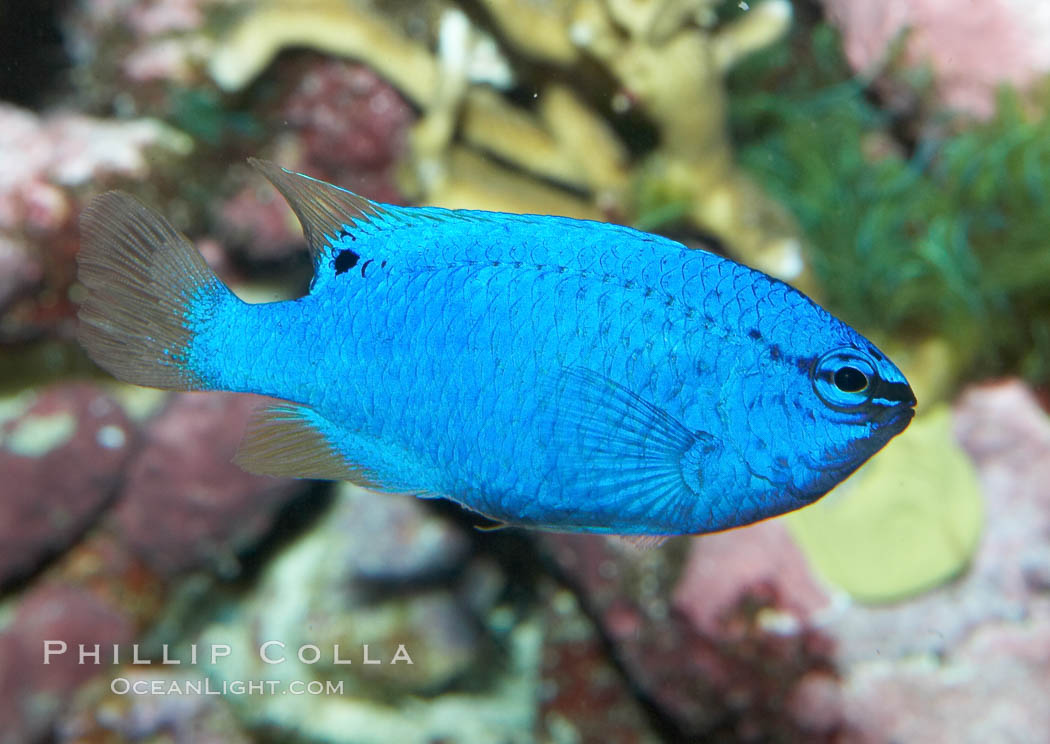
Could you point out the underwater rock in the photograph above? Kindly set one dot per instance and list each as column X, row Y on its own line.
column 62, row 452
column 185, row 505
column 583, row 696
column 97, row 713
column 971, row 48
column 729, row 672
column 405, row 543
column 32, row 692
column 406, row 655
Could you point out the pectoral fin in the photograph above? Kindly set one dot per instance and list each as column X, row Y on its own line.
column 623, row 450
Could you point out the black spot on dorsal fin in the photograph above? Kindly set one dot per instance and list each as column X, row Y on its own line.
column 325, row 211
column 345, row 260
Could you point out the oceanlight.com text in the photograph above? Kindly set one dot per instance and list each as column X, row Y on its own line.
column 236, row 687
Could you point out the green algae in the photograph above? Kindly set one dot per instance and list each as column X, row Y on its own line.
column 945, row 236
column 906, row 522
column 203, row 114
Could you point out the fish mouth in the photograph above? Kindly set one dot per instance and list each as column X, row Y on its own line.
column 896, row 418
column 887, row 425
column 835, row 468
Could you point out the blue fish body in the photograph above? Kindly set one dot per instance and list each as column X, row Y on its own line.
column 542, row 371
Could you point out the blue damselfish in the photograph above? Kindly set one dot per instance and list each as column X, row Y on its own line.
column 542, row 371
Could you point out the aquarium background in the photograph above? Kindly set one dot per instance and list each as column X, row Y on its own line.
column 890, row 159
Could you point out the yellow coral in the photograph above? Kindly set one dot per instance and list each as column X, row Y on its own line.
column 333, row 26
column 662, row 53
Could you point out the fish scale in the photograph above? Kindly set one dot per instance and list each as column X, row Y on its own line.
column 542, row 371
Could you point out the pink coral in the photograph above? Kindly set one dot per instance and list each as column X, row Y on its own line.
column 761, row 560
column 31, row 692
column 972, row 47
column 156, row 17
column 352, row 125
column 345, row 125
column 20, row 270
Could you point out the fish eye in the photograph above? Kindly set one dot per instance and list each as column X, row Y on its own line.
column 850, row 380
column 844, row 378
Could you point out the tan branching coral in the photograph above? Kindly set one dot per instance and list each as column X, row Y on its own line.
column 560, row 155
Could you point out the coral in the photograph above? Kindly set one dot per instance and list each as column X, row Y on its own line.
column 158, row 41
column 724, row 659
column 908, row 520
column 992, row 688
column 45, row 156
column 350, row 124
column 610, row 109
column 20, row 271
column 754, row 646
column 763, row 562
column 97, row 713
column 339, row 122
column 674, row 74
column 332, row 26
column 405, row 544
column 583, row 696
column 147, row 502
column 48, row 162
column 967, row 661
column 667, row 61
column 971, row 51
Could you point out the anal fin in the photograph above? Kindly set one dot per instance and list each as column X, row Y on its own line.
column 644, row 542
column 290, row 440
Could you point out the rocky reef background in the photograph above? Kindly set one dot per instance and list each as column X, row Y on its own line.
column 892, row 159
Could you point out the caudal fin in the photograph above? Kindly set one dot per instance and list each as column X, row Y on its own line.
column 146, row 283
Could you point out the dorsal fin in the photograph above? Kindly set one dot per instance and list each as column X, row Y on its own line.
column 325, row 211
